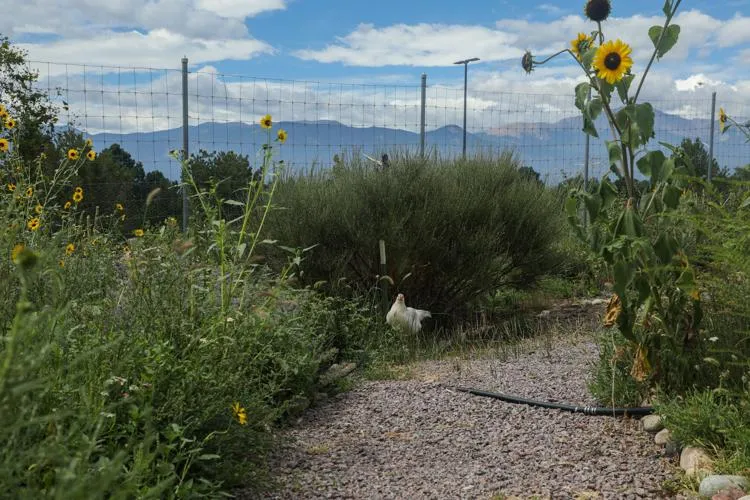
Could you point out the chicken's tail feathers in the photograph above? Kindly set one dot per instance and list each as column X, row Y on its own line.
column 423, row 314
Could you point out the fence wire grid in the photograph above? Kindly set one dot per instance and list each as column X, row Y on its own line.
column 141, row 109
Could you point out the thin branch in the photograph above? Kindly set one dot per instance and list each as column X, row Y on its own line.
column 656, row 50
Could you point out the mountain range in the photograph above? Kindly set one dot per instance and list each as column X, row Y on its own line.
column 555, row 149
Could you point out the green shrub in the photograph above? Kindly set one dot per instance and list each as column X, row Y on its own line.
column 454, row 231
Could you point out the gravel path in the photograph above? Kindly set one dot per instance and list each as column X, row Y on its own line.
column 418, row 439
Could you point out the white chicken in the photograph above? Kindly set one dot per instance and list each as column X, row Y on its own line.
column 406, row 318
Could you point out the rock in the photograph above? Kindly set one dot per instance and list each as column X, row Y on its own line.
column 663, row 437
column 652, row 423
column 746, row 497
column 597, row 302
column 694, row 460
column 728, row 494
column 672, row 448
column 711, row 485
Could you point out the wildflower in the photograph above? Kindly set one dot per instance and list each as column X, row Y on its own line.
column 29, row 191
column 67, row 205
column 581, row 44
column 10, row 123
column 597, row 10
column 695, row 295
column 69, row 249
column 17, row 249
column 89, row 143
column 34, row 224
column 11, row 187
column 38, row 209
column 91, row 155
column 73, row 154
column 527, row 62
column 239, row 413
column 722, row 120
column 4, row 144
column 612, row 61
column 138, row 233
column 266, row 122
column 171, row 221
column 614, row 308
column 62, row 263
column 3, row 111
column 119, row 207
column 281, row 136
column 78, row 196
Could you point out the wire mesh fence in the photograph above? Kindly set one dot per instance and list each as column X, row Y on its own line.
column 141, row 109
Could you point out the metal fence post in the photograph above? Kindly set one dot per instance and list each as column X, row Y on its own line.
column 422, row 117
column 185, row 139
column 586, row 172
column 711, row 137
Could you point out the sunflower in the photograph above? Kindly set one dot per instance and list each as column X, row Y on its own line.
column 17, row 249
column 73, row 154
column 78, row 196
column 581, row 44
column 3, row 111
column 4, row 144
column 10, row 123
column 722, row 120
column 91, row 155
column 527, row 62
column 239, row 413
column 29, row 191
column 281, row 135
column 119, row 207
column 89, row 143
column 597, row 10
column 266, row 122
column 78, row 189
column 138, row 233
column 67, row 205
column 614, row 308
column 34, row 224
column 38, row 209
column 612, row 61
column 69, row 249
column 11, row 187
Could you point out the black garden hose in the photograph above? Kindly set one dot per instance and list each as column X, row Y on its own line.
column 587, row 410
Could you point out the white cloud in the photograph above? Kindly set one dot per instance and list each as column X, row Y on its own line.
column 240, row 8
column 158, row 48
column 734, row 32
column 416, row 45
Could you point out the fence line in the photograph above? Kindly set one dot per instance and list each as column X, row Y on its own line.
column 142, row 110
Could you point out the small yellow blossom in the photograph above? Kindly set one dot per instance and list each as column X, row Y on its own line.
column 73, row 154
column 91, row 155
column 89, row 143
column 67, row 205
column 70, row 248
column 38, row 209
column 34, row 224
column 29, row 191
column 78, row 196
column 11, row 187
column 266, row 122
column 4, row 145
column 138, row 233
column 10, row 123
column 17, row 249
column 281, row 136
column 239, row 413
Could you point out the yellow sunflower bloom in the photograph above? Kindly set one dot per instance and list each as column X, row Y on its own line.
column 69, row 249
column 10, row 123
column 119, row 207
column 4, row 144
column 266, row 122
column 29, row 191
column 11, row 187
column 239, row 413
column 78, row 189
column 89, row 143
column 34, row 224
column 3, row 111
column 73, row 154
column 138, row 233
column 78, row 196
column 581, row 44
column 612, row 61
column 91, row 155
column 17, row 249
column 67, row 205
column 722, row 120
column 38, row 209
column 281, row 136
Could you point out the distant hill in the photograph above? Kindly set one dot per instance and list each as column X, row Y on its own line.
column 550, row 148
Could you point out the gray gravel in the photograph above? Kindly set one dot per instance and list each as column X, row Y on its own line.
column 419, row 439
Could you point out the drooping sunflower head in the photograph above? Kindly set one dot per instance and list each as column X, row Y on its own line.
column 73, row 154
column 527, row 62
column 281, row 136
column 614, row 308
column 722, row 120
column 597, row 10
column 581, row 44
column 612, row 61
column 4, row 145
column 91, row 155
column 266, row 122
column 34, row 224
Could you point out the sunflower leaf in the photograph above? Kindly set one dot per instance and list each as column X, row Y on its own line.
column 594, row 107
column 664, row 41
column 582, row 92
column 623, row 86
column 667, row 8
column 587, row 59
